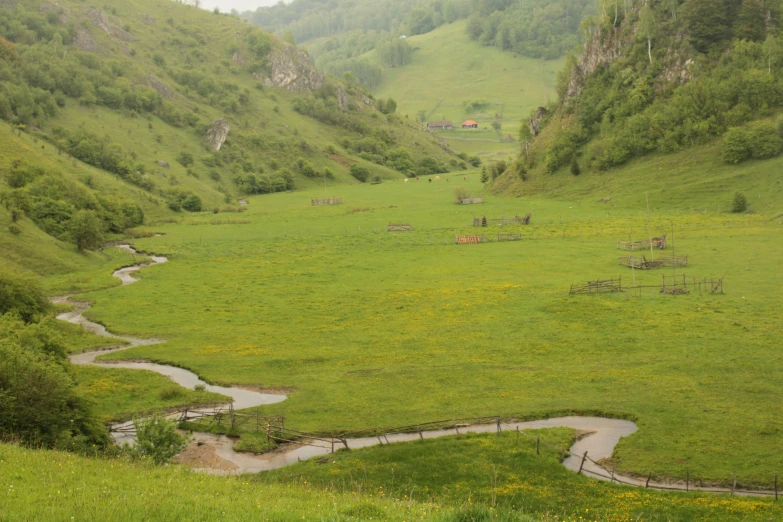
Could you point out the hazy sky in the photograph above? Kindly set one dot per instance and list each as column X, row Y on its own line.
column 239, row 5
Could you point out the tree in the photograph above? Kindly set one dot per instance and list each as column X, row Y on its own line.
column 360, row 173
column 525, row 136
column 749, row 23
column 770, row 48
column 709, row 22
column 497, row 126
column 21, row 295
column 390, row 107
column 484, row 175
column 740, row 203
column 86, row 229
column 421, row 116
column 648, row 28
column 157, row 439
column 289, row 38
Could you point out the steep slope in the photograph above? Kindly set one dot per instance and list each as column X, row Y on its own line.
column 663, row 78
column 166, row 107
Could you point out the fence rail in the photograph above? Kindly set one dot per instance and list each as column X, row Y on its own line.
column 471, row 239
column 509, row 237
column 597, row 287
column 327, row 201
column 657, row 242
column 398, row 227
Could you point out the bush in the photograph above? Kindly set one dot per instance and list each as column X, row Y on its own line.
column 739, row 204
column 185, row 159
column 157, row 439
column 765, row 140
column 575, row 169
column 461, row 194
column 14, row 229
column 360, row 173
column 86, row 229
column 736, row 147
column 23, row 296
column 192, row 203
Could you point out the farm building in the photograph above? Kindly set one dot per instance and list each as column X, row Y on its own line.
column 469, row 124
column 440, row 125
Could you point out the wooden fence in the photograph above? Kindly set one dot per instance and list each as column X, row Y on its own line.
column 509, row 237
column 327, row 201
column 597, row 287
column 471, row 201
column 392, row 227
column 471, row 239
column 640, row 263
column 229, row 418
column 522, row 220
column 657, row 242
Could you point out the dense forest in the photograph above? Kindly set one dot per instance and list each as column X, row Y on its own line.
column 338, row 32
column 663, row 76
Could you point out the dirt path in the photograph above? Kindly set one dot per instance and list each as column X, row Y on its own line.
column 215, row 453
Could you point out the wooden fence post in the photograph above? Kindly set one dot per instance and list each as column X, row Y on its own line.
column 538, row 445
column 734, row 483
column 517, row 435
column 345, row 443
column 418, row 428
column 776, row 486
column 498, row 424
column 456, row 428
column 331, row 437
column 584, row 457
column 647, row 484
column 687, row 480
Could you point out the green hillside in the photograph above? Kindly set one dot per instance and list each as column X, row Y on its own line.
column 504, row 84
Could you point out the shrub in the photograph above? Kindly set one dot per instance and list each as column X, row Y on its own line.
column 14, row 229
column 461, row 194
column 192, row 203
column 86, row 229
column 736, row 147
column 185, row 159
column 200, row 387
column 171, row 393
column 575, row 169
column 360, row 173
column 739, row 204
column 157, row 439
column 765, row 140
column 22, row 296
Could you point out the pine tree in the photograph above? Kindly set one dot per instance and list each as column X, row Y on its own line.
column 484, row 175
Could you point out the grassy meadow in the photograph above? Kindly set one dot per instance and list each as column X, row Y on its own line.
column 370, row 328
column 512, row 85
column 505, row 473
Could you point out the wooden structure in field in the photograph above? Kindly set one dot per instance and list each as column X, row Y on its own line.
column 597, row 287
column 657, row 242
column 509, row 237
column 392, row 227
column 641, row 263
column 471, row 201
column 521, row 220
column 471, row 239
column 327, row 201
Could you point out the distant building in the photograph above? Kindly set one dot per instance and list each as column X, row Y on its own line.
column 469, row 124
column 440, row 125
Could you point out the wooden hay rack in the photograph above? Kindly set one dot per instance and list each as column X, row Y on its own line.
column 640, row 263
column 675, row 261
column 472, row 239
column 518, row 220
column 657, row 242
column 398, row 227
column 509, row 237
column 597, row 287
column 327, row 201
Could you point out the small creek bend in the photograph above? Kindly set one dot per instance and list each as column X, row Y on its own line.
column 600, row 435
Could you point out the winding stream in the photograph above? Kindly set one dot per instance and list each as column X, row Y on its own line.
column 600, row 435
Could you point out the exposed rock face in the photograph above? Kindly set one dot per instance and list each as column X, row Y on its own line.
column 602, row 49
column 99, row 19
column 85, row 42
column 291, row 68
column 163, row 89
column 536, row 122
column 238, row 58
column 217, row 133
column 676, row 63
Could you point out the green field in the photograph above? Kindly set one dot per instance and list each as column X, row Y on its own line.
column 512, row 85
column 371, row 328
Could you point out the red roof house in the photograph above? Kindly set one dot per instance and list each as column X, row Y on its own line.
column 469, row 124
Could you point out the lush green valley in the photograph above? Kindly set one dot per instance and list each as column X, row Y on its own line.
column 196, row 136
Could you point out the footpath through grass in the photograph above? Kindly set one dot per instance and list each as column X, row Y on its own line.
column 370, row 328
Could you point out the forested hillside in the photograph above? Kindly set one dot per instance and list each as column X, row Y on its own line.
column 338, row 32
column 662, row 77
column 189, row 110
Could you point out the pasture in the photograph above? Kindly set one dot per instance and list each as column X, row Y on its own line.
column 511, row 85
column 373, row 328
